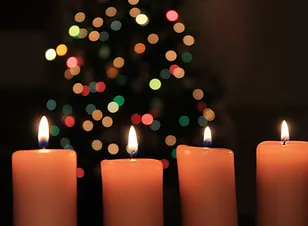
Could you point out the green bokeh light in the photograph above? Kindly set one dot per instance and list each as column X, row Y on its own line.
column 173, row 153
column 67, row 109
column 155, row 125
column 64, row 141
column 202, row 121
column 121, row 80
column 186, row 57
column 51, row 105
column 104, row 36
column 184, row 120
column 74, row 31
column 104, row 52
column 119, row 100
column 68, row 146
column 116, row 25
column 54, row 130
column 165, row 74
column 92, row 87
column 90, row 108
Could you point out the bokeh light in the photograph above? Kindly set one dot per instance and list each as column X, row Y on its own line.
column 165, row 163
column 165, row 74
column 134, row 12
column 80, row 172
column 209, row 114
column 104, row 36
column 119, row 100
column 116, row 25
column 139, row 48
column 155, row 125
column 186, row 57
column 80, row 17
column 133, row 2
column 201, row 106
column 147, row 119
column 97, row 115
column 71, row 62
column 74, row 31
column 61, row 50
column 118, row 62
column 189, row 40
column 173, row 153
column 64, row 142
column 172, row 15
column 153, row 38
column 155, row 84
column 142, row 19
column 113, row 149
column 67, row 109
column 90, row 108
column 113, row 107
column 83, row 33
column 54, row 130
column 198, row 94
column 87, row 125
column 85, row 91
column 50, row 54
column 179, row 27
column 94, row 36
column 136, row 119
column 171, row 55
column 100, row 87
column 69, row 121
column 202, row 121
column 97, row 145
column 51, row 105
column 184, row 121
column 170, row 140
column 179, row 72
column 112, row 72
column 107, row 121
column 111, row 11
column 74, row 70
column 97, row 22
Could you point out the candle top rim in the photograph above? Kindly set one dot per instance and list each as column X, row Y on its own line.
column 131, row 161
column 278, row 143
column 182, row 147
column 46, row 150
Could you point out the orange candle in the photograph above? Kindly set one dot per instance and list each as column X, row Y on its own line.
column 132, row 189
column 44, row 185
column 207, row 185
column 282, row 182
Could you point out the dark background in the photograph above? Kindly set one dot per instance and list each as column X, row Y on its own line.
column 259, row 47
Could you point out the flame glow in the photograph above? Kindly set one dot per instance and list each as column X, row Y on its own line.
column 284, row 131
column 207, row 137
column 43, row 132
column 132, row 146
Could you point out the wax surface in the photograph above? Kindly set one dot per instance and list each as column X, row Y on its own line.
column 207, row 186
column 132, row 192
column 44, row 188
column 282, row 183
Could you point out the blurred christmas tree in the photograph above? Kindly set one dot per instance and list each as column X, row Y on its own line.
column 130, row 63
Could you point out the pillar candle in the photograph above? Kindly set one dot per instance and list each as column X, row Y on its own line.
column 44, row 185
column 207, row 185
column 132, row 190
column 282, row 182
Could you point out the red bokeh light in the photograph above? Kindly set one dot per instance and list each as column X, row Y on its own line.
column 80, row 172
column 201, row 106
column 172, row 68
column 85, row 91
column 165, row 163
column 100, row 87
column 147, row 119
column 69, row 121
column 136, row 118
column 71, row 62
column 172, row 15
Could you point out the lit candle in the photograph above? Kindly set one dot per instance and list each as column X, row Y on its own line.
column 44, row 185
column 282, row 182
column 207, row 185
column 132, row 189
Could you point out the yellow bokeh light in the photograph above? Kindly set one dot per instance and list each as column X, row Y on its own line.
column 111, row 11
column 142, row 19
column 80, row 17
column 134, row 12
column 61, row 50
column 87, row 125
column 198, row 94
column 97, row 22
column 97, row 145
column 170, row 140
column 67, row 74
column 107, row 121
column 94, row 36
column 209, row 114
column 179, row 27
column 83, row 33
column 139, row 48
column 118, row 62
column 113, row 149
column 179, row 72
column 74, row 31
column 50, row 54
column 75, row 70
column 77, row 88
column 153, row 38
column 133, row 2
column 113, row 107
column 171, row 55
column 97, row 115
column 189, row 40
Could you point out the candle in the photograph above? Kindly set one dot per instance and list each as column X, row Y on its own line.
column 282, row 182
column 207, row 185
column 132, row 189
column 44, row 185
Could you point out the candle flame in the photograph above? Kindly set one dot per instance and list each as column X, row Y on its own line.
column 207, row 137
column 284, row 131
column 43, row 132
column 132, row 146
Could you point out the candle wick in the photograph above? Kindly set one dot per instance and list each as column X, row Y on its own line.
column 132, row 154
column 284, row 141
